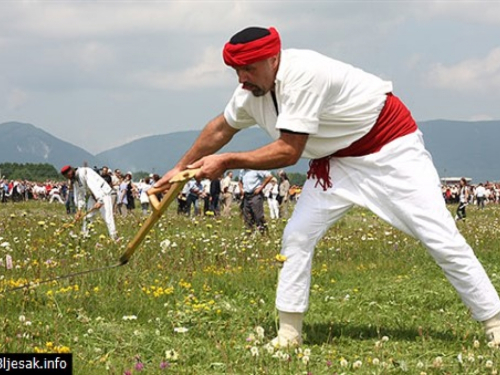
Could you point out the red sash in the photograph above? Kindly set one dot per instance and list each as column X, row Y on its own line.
column 394, row 121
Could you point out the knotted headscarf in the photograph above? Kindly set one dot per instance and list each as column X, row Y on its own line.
column 251, row 45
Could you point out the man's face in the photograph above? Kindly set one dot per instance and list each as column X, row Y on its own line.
column 258, row 77
column 69, row 174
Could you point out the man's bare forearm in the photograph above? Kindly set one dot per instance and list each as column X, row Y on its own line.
column 216, row 134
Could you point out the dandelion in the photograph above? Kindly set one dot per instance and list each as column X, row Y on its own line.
column 489, row 364
column 305, row 359
column 343, row 362
column 357, row 364
column 280, row 258
column 165, row 244
column 307, row 352
column 375, row 361
column 129, row 317
column 476, row 344
column 438, row 362
column 22, row 318
column 385, row 339
column 260, row 332
column 255, row 351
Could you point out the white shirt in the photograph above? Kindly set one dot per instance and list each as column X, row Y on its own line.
column 334, row 102
column 86, row 179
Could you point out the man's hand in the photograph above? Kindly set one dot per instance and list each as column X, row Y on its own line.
column 212, row 166
column 97, row 206
column 163, row 183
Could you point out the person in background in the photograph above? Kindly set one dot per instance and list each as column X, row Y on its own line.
column 463, row 199
column 227, row 193
column 252, row 184
column 92, row 192
column 144, row 186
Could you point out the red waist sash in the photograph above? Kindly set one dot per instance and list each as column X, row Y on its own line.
column 394, row 121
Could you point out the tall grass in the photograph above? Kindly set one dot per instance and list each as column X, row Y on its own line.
column 198, row 297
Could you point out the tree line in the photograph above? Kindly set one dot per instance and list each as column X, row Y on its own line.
column 29, row 171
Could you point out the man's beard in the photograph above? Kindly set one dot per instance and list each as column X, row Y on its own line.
column 256, row 90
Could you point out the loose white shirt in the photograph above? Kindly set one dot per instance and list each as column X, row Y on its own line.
column 334, row 102
column 87, row 180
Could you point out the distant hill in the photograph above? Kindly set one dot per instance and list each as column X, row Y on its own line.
column 25, row 143
column 159, row 153
column 458, row 148
column 464, row 149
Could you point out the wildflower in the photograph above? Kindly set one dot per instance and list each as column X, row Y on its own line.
column 165, row 244
column 438, row 362
column 489, row 364
column 385, row 339
column 164, row 365
column 280, row 258
column 139, row 366
column 260, row 332
column 307, row 352
column 375, row 361
column 171, row 355
column 476, row 344
column 357, row 364
column 22, row 318
column 41, row 223
column 305, row 359
column 181, row 329
column 343, row 362
column 129, row 317
column 255, row 351
column 127, row 372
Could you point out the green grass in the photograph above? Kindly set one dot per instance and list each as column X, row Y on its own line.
column 191, row 297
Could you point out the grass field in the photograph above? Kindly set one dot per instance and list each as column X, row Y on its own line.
column 198, row 298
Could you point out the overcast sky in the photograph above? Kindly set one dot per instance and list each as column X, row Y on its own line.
column 99, row 74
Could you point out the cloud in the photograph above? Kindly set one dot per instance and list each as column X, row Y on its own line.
column 208, row 72
column 16, row 99
column 469, row 75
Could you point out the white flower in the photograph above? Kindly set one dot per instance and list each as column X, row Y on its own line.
column 489, row 364
column 269, row 348
column 305, row 359
column 171, row 355
column 260, row 332
column 385, row 339
column 459, row 358
column 22, row 318
column 165, row 244
column 129, row 317
column 255, row 351
column 357, row 364
column 181, row 329
column 476, row 344
column 344, row 363
column 307, row 352
column 438, row 362
column 376, row 361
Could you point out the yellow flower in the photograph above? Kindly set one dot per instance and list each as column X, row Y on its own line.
column 280, row 258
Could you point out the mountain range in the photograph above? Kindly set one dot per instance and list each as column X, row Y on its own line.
column 458, row 148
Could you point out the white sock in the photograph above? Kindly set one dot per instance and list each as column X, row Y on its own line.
column 290, row 330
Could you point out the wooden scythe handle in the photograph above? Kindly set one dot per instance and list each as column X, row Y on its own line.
column 159, row 207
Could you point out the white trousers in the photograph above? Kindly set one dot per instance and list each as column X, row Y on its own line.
column 106, row 213
column 400, row 185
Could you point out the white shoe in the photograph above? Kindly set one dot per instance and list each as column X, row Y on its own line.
column 492, row 329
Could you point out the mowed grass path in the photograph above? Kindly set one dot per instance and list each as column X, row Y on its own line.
column 198, row 297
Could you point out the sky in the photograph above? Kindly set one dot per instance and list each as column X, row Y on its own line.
column 100, row 74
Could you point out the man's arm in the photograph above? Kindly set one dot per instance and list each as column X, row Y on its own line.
column 283, row 152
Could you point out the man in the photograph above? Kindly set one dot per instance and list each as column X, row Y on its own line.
column 480, row 195
column 463, row 200
column 85, row 181
column 252, row 183
column 366, row 150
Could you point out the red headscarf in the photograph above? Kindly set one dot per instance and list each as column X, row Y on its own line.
column 250, row 52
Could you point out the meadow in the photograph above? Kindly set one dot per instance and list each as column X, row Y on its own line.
column 198, row 297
